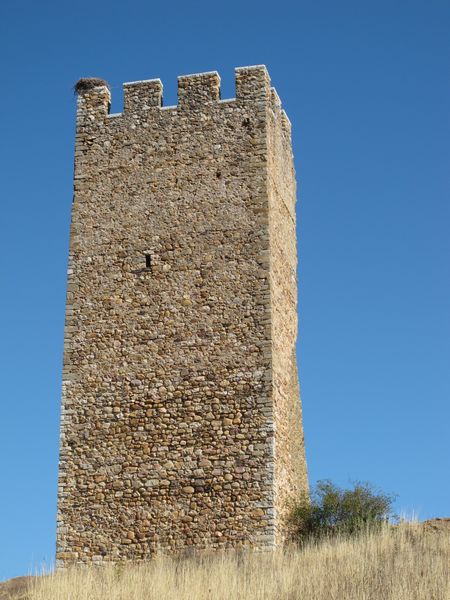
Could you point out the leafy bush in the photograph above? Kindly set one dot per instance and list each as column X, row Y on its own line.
column 332, row 510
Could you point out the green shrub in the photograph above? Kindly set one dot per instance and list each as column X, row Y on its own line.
column 335, row 511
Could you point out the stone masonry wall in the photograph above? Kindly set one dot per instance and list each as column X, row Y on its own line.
column 291, row 479
column 180, row 422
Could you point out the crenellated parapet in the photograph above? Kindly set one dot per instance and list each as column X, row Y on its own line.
column 142, row 95
column 280, row 113
column 93, row 98
column 252, row 83
column 194, row 92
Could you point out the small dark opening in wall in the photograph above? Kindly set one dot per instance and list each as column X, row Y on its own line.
column 148, row 261
column 218, row 174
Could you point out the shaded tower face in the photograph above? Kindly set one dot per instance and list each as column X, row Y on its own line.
column 181, row 420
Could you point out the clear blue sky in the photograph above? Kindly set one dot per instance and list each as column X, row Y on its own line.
column 366, row 85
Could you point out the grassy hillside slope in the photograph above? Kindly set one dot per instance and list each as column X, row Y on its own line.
column 409, row 562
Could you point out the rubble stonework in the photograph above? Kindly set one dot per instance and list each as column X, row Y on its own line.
column 181, row 420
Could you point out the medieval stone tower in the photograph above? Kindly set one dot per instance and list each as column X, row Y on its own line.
column 181, row 419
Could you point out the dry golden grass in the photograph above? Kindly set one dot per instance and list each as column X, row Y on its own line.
column 404, row 563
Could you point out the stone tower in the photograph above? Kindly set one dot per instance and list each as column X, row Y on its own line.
column 181, row 419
